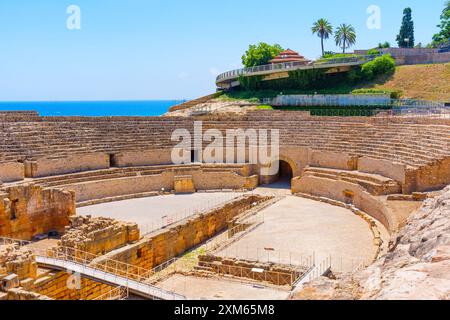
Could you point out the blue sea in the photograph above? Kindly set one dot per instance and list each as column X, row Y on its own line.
column 93, row 108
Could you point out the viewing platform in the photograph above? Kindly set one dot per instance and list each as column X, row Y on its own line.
column 273, row 71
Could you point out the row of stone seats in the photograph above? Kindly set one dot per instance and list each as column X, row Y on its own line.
column 373, row 183
column 412, row 144
column 116, row 173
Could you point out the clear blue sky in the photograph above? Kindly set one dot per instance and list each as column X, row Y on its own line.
column 168, row 49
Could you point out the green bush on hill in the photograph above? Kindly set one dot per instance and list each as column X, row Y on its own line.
column 394, row 94
column 377, row 67
column 373, row 52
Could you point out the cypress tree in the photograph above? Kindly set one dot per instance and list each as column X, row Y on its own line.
column 406, row 30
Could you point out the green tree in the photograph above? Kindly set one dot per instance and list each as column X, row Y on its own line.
column 444, row 34
column 323, row 29
column 260, row 54
column 405, row 38
column 384, row 45
column 345, row 36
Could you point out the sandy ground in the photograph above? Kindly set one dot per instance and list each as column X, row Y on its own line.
column 297, row 227
column 155, row 212
column 196, row 288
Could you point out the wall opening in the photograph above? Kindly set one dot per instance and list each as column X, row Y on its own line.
column 112, row 160
column 284, row 176
column 14, row 204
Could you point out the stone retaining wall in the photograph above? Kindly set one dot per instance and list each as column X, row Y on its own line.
column 280, row 275
column 346, row 192
column 164, row 245
column 28, row 210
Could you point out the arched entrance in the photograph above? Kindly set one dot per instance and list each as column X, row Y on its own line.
column 282, row 179
column 285, row 172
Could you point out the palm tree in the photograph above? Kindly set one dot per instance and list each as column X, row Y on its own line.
column 323, row 29
column 345, row 36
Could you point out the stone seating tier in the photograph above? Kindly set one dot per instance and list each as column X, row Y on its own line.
column 408, row 142
column 373, row 183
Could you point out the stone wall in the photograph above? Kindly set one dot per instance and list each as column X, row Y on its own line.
column 12, row 171
column 98, row 235
column 414, row 55
column 65, row 286
column 340, row 190
column 69, row 164
column 143, row 158
column 433, row 177
column 164, row 245
column 17, row 260
column 204, row 179
column 28, row 210
column 385, row 168
column 280, row 275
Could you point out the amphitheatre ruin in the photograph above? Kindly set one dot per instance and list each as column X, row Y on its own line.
column 94, row 209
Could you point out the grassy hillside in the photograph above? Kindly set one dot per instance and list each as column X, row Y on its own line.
column 430, row 82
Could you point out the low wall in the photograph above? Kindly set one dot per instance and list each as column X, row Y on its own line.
column 28, row 210
column 166, row 244
column 142, row 158
column 203, row 180
column 348, row 193
column 70, row 164
column 433, row 177
column 414, row 55
column 99, row 235
column 276, row 274
column 332, row 160
column 385, row 168
column 12, row 171
column 64, row 286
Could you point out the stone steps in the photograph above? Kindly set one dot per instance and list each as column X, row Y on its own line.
column 373, row 183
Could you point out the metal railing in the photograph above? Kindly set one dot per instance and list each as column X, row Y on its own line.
column 118, row 293
column 207, row 206
column 279, row 278
column 279, row 67
column 314, row 272
column 267, row 255
column 253, row 218
column 349, row 100
column 97, row 266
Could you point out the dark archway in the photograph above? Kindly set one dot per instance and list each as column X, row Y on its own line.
column 285, row 171
column 282, row 180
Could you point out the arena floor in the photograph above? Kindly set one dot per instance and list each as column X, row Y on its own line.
column 295, row 227
column 155, row 212
column 197, row 288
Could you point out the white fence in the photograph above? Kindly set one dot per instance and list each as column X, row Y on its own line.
column 344, row 100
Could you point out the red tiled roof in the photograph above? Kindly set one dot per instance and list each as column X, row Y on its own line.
column 288, row 56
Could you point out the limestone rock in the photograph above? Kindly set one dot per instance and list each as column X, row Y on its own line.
column 416, row 267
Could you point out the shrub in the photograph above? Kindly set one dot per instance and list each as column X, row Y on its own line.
column 373, row 52
column 264, row 107
column 379, row 66
column 394, row 94
column 354, row 75
column 250, row 83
